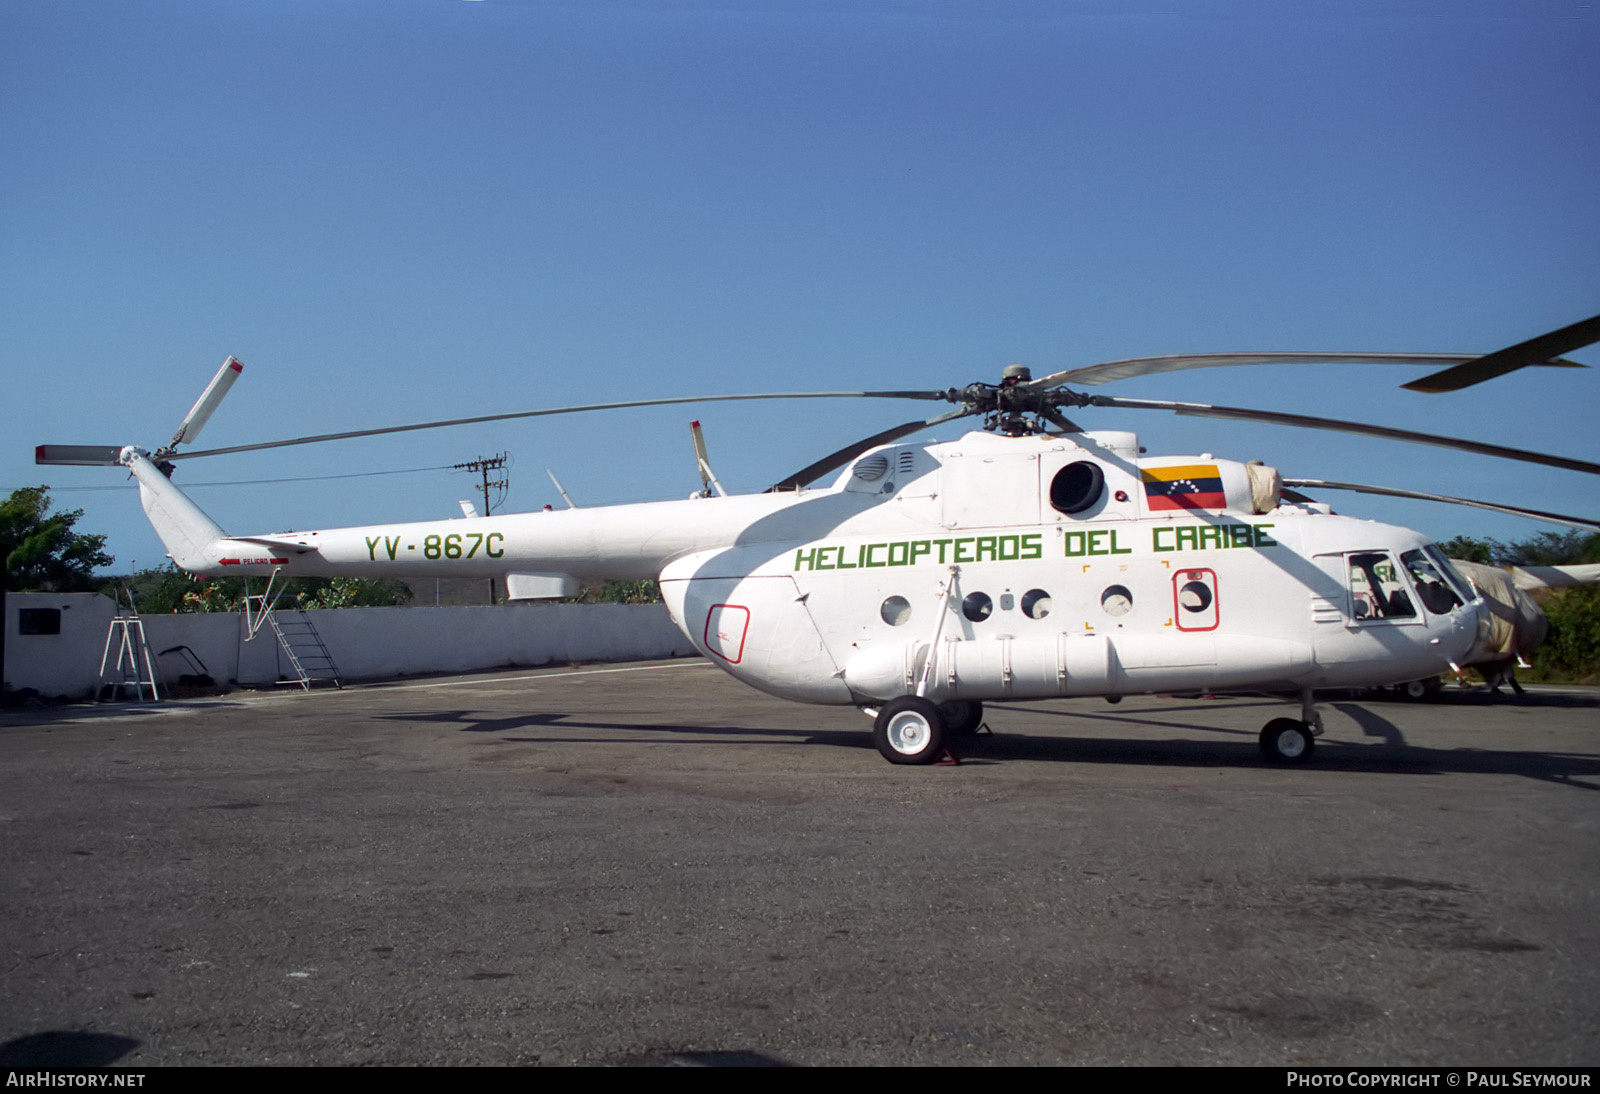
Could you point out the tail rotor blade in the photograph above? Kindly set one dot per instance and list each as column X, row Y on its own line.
column 206, row 405
column 79, row 455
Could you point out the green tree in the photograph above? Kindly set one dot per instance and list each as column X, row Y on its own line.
column 1468, row 549
column 41, row 550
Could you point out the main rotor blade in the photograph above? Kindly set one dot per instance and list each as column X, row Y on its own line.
column 321, row 437
column 1201, row 410
column 1091, row 375
column 1494, row 507
column 79, row 455
column 832, row 462
column 1535, row 351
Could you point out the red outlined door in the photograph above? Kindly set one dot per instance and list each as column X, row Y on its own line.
column 726, row 627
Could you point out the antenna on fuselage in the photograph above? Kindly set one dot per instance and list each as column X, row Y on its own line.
column 708, row 478
column 561, row 490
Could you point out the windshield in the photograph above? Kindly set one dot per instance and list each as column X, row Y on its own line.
column 1435, row 593
column 1451, row 574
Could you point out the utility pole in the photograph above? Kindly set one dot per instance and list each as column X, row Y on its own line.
column 482, row 466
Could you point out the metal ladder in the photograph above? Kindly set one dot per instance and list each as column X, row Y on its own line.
column 133, row 651
column 297, row 637
column 307, row 652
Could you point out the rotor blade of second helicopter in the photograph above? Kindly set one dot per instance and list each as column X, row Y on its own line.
column 1304, row 421
column 1534, row 351
column 349, row 434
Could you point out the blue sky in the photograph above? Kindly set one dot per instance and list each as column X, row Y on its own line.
column 403, row 210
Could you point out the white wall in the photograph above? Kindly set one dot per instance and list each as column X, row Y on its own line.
column 58, row 664
column 366, row 643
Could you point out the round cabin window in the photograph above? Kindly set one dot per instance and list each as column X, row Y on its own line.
column 1117, row 600
column 1195, row 596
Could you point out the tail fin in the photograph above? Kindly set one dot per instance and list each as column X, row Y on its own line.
column 187, row 532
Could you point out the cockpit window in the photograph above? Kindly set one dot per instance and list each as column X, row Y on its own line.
column 1437, row 596
column 1451, row 574
column 1376, row 589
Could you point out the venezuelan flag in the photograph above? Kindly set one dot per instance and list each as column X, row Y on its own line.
column 1192, row 486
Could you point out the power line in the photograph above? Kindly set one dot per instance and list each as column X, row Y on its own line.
column 263, row 482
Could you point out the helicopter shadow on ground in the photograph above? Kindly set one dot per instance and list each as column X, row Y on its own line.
column 473, row 722
column 1483, row 697
column 1236, row 748
column 66, row 1048
column 1389, row 753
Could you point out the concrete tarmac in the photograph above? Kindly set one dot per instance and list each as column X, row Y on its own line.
column 652, row 864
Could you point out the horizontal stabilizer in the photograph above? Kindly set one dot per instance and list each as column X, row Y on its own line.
column 297, row 546
column 82, row 455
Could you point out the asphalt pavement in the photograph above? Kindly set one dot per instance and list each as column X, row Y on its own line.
column 652, row 864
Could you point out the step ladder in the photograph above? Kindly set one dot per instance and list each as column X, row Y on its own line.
column 133, row 667
column 297, row 635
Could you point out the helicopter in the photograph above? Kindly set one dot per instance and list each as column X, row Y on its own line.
column 1027, row 559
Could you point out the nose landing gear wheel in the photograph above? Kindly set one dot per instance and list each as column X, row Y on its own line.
column 1286, row 741
column 909, row 730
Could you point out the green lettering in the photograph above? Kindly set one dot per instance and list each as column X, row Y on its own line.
column 1031, row 546
column 822, row 558
column 808, row 558
column 985, row 547
column 919, row 548
column 1262, row 539
column 1096, row 539
column 372, row 547
column 1008, row 548
column 1077, row 543
column 843, row 565
column 905, row 553
column 1118, row 550
column 942, row 543
column 1211, row 534
column 867, row 561
column 392, row 545
column 1191, row 534
column 963, row 546
column 1155, row 540
column 1239, row 535
column 488, row 544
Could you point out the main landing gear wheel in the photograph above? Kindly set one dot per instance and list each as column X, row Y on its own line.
column 962, row 717
column 1418, row 690
column 909, row 730
column 1287, row 741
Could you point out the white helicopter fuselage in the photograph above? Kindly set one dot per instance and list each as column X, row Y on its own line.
column 985, row 568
